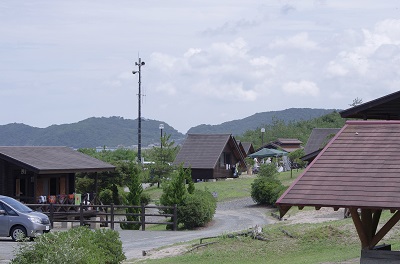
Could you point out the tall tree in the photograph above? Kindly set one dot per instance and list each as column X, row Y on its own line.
column 163, row 157
column 133, row 198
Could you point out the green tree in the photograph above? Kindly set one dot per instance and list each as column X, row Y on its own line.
column 163, row 158
column 133, row 198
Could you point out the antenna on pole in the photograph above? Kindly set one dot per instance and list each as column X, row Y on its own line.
column 139, row 63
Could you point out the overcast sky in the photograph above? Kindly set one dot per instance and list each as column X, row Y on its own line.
column 207, row 62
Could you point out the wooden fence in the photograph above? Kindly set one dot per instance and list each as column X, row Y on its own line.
column 106, row 215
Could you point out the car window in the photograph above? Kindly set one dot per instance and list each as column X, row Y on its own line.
column 8, row 210
column 16, row 205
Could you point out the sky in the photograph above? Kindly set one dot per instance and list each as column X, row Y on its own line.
column 206, row 62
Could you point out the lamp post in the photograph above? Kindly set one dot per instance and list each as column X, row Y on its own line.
column 140, row 63
column 262, row 136
column 161, row 127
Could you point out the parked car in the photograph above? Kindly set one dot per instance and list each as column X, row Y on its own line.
column 18, row 220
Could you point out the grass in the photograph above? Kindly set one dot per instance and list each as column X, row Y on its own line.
column 229, row 189
column 312, row 243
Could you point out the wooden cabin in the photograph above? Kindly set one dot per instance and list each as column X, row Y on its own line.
column 27, row 173
column 211, row 156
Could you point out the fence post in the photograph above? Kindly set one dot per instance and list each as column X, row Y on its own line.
column 51, row 215
column 175, row 227
column 112, row 216
column 81, row 214
column 143, row 217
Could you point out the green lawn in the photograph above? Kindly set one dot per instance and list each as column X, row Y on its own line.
column 231, row 188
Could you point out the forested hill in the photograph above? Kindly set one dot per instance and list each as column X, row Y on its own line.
column 238, row 127
column 117, row 131
column 89, row 133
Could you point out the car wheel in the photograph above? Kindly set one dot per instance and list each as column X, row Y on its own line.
column 18, row 233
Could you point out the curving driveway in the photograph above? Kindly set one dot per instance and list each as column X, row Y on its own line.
column 230, row 216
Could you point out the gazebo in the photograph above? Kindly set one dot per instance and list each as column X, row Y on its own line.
column 358, row 169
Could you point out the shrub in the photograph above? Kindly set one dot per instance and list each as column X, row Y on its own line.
column 78, row 245
column 145, row 198
column 266, row 189
column 197, row 210
column 106, row 196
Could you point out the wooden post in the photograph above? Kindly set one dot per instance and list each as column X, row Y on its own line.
column 143, row 217
column 81, row 214
column 51, row 215
column 112, row 216
column 359, row 227
column 175, row 227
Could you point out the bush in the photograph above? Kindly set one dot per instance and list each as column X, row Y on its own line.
column 266, row 189
column 106, row 196
column 78, row 245
column 145, row 198
column 197, row 210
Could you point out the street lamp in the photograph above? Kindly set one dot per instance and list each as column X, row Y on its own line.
column 161, row 127
column 262, row 136
column 139, row 64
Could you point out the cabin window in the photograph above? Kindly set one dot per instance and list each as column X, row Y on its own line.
column 225, row 160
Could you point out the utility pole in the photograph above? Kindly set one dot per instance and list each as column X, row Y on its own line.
column 140, row 63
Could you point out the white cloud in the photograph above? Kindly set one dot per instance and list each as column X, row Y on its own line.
column 298, row 41
column 302, row 88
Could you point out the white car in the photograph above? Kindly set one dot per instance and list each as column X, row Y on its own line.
column 18, row 220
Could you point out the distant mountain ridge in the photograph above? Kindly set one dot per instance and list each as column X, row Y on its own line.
column 89, row 133
column 238, row 127
column 117, row 131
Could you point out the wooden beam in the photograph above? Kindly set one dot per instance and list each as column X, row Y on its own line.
column 359, row 227
column 283, row 210
column 375, row 220
column 366, row 219
column 385, row 229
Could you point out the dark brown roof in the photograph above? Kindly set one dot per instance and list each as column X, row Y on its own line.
column 46, row 160
column 384, row 108
column 248, row 147
column 202, row 151
column 359, row 168
column 319, row 137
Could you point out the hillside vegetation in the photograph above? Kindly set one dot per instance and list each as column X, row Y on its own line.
column 300, row 130
column 116, row 131
column 238, row 127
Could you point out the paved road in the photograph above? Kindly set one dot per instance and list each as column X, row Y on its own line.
column 230, row 216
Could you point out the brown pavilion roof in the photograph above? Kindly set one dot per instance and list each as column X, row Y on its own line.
column 384, row 108
column 52, row 159
column 359, row 168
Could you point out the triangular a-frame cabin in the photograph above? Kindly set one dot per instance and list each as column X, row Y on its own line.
column 210, row 156
column 317, row 141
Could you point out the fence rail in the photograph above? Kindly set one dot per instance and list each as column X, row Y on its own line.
column 88, row 214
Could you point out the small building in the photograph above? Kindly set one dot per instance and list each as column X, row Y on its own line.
column 211, row 156
column 286, row 144
column 27, row 173
column 247, row 147
column 318, row 139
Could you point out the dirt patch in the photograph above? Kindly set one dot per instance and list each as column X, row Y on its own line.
column 314, row 216
column 162, row 253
